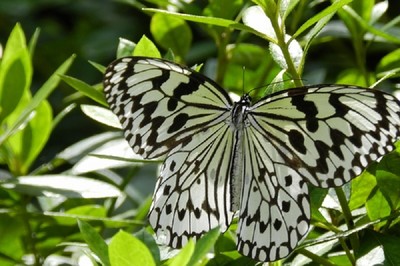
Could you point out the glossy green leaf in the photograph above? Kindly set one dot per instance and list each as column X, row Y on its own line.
column 209, row 20
column 126, row 250
column 90, row 211
column 377, row 207
column 255, row 18
column 184, row 255
column 227, row 9
column 26, row 144
column 146, row 47
column 389, row 62
column 125, row 48
column 37, row 99
column 204, row 245
column 171, row 33
column 15, row 72
column 148, row 240
column 101, row 115
column 12, row 232
column 85, row 89
column 378, row 249
column 361, row 188
column 388, row 177
column 354, row 19
column 295, row 52
column 363, row 8
column 354, row 76
column 62, row 185
column 95, row 242
column 336, row 5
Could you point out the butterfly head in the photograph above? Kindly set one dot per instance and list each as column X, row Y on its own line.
column 245, row 100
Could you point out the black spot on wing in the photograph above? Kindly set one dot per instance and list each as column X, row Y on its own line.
column 286, row 206
column 186, row 88
column 288, row 181
column 296, row 139
column 166, row 190
column 309, row 109
column 178, row 123
column 277, row 224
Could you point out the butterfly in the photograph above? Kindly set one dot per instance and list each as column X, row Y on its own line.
column 253, row 160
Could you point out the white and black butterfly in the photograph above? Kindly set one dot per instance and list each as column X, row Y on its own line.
column 254, row 159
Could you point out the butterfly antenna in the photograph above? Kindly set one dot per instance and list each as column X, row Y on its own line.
column 243, row 78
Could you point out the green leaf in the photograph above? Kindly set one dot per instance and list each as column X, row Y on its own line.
column 389, row 62
column 227, row 9
column 33, row 42
column 363, row 8
column 317, row 196
column 361, row 188
column 148, row 239
column 15, row 73
column 85, row 89
column 256, row 18
column 95, row 242
column 171, row 33
column 101, row 115
column 377, row 207
column 354, row 76
column 146, row 47
column 26, row 144
column 378, row 249
column 98, row 66
column 41, row 94
column 210, row 21
column 91, row 212
column 124, row 249
column 184, row 255
column 125, row 48
column 350, row 13
column 82, row 148
column 388, row 177
column 295, row 52
column 287, row 6
column 64, row 185
column 13, row 233
column 203, row 245
column 336, row 5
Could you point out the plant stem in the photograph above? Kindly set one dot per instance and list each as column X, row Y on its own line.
column 315, row 258
column 349, row 222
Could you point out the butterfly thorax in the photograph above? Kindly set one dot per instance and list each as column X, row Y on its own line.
column 239, row 112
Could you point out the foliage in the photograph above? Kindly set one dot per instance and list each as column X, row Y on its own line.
column 81, row 204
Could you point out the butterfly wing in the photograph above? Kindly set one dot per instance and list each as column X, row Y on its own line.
column 325, row 135
column 167, row 109
column 329, row 134
column 160, row 104
column 193, row 191
column 275, row 210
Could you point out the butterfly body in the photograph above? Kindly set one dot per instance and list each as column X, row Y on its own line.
column 253, row 159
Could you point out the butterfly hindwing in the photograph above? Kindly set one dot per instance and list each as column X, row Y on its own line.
column 193, row 191
column 275, row 211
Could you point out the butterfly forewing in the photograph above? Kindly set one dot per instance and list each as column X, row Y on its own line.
column 222, row 157
column 329, row 134
column 160, row 104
